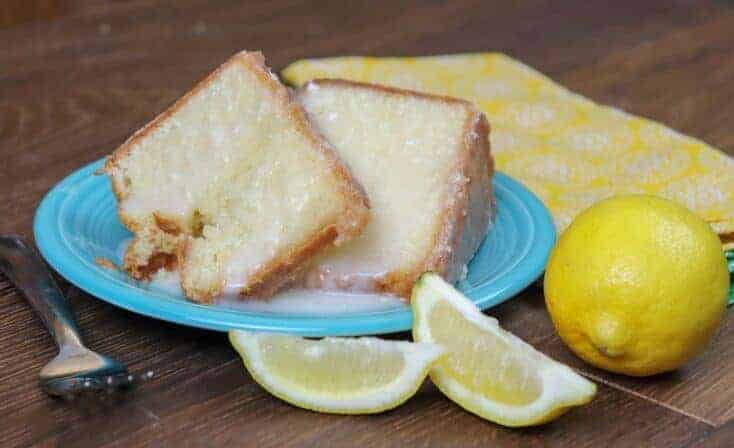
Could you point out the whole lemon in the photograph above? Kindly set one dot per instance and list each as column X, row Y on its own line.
column 637, row 285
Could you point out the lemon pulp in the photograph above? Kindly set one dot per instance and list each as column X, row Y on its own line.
column 330, row 367
column 336, row 375
column 483, row 361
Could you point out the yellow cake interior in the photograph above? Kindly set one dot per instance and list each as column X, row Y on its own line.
column 403, row 149
column 237, row 174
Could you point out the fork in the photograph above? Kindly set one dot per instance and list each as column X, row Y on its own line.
column 75, row 369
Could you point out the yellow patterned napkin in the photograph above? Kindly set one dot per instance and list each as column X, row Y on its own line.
column 569, row 150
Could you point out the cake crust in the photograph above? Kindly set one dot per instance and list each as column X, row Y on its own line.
column 467, row 210
column 162, row 242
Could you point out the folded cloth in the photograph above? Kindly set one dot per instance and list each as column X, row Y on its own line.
column 567, row 149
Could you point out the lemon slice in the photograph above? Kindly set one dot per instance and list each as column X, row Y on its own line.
column 336, row 375
column 487, row 370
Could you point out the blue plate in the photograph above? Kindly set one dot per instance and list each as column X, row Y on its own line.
column 77, row 222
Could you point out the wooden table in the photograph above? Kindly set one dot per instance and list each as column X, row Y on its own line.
column 77, row 77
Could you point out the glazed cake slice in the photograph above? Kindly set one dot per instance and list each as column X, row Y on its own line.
column 233, row 186
column 426, row 166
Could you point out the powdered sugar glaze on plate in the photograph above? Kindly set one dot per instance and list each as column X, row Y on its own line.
column 298, row 302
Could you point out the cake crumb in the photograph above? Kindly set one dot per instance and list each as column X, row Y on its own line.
column 107, row 264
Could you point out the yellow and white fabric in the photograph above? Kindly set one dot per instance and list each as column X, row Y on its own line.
column 569, row 150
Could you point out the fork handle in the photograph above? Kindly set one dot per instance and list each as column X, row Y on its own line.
column 24, row 267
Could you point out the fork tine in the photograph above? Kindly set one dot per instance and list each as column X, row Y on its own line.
column 69, row 387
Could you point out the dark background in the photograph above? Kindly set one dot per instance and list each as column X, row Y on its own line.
column 77, row 77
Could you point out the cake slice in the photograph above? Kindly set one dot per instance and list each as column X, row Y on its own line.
column 232, row 186
column 426, row 166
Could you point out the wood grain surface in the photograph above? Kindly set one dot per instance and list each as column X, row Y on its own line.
column 78, row 76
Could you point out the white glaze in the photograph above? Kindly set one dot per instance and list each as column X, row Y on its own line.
column 308, row 302
column 314, row 302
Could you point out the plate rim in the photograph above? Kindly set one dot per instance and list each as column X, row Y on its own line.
column 56, row 252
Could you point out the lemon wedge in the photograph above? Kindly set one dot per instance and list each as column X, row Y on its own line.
column 487, row 370
column 336, row 375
